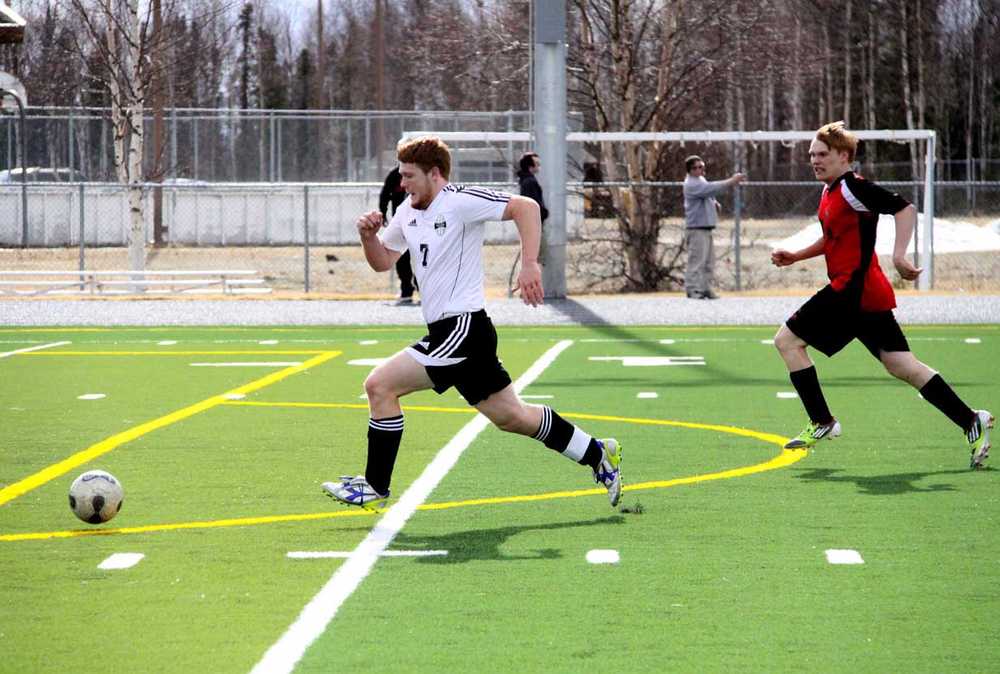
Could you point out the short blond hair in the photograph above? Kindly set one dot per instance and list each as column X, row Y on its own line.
column 838, row 138
column 426, row 152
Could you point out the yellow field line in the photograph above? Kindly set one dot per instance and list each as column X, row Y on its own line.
column 733, row 430
column 783, row 459
column 21, row 487
column 243, row 352
column 211, row 524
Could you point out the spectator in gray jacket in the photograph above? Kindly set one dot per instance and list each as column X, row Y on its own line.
column 701, row 216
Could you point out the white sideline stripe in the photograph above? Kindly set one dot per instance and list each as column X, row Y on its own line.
column 290, row 363
column 787, row 394
column 844, row 557
column 603, row 556
column 268, row 342
column 91, row 396
column 973, row 340
column 167, row 342
column 367, row 362
column 33, row 348
column 648, row 394
column 283, row 655
column 538, row 397
column 368, row 342
column 121, row 560
column 341, row 554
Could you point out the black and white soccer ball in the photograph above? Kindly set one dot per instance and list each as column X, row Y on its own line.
column 96, row 496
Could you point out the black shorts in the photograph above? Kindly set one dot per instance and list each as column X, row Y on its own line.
column 461, row 351
column 829, row 320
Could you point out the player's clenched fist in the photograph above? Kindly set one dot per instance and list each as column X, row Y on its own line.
column 369, row 224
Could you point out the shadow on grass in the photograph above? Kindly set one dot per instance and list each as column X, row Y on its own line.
column 892, row 484
column 485, row 544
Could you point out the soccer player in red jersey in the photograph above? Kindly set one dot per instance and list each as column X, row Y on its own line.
column 858, row 301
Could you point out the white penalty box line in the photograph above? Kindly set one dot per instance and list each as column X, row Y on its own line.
column 285, row 653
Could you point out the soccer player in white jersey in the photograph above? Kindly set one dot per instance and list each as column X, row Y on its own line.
column 442, row 226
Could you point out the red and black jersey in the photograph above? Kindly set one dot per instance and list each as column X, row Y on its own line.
column 848, row 212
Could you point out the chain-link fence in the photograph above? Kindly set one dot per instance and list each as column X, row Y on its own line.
column 240, row 145
column 262, row 228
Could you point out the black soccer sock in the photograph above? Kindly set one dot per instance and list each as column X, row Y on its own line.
column 562, row 436
column 938, row 393
column 806, row 384
column 383, row 445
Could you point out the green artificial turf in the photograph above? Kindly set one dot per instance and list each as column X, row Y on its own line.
column 721, row 544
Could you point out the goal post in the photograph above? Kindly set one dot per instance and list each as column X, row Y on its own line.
column 525, row 139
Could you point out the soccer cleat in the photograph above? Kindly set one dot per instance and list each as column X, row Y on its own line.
column 813, row 433
column 979, row 438
column 355, row 491
column 609, row 472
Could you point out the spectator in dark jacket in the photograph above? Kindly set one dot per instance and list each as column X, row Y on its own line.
column 528, row 166
column 394, row 194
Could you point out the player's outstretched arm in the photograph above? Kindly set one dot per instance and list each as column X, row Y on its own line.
column 527, row 216
column 906, row 221
column 379, row 257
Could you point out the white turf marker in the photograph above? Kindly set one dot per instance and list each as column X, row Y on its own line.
column 973, row 340
column 167, row 342
column 283, row 655
column 769, row 342
column 290, row 363
column 668, row 341
column 338, row 554
column 787, row 394
column 648, row 394
column 603, row 557
column 537, row 397
column 367, row 362
column 234, row 396
column 844, row 557
column 268, row 342
column 33, row 348
column 368, row 342
column 121, row 560
column 91, row 396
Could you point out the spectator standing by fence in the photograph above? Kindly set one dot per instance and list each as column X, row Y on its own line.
column 393, row 194
column 701, row 217
column 528, row 166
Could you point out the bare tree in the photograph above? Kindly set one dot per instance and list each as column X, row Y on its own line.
column 642, row 65
column 117, row 34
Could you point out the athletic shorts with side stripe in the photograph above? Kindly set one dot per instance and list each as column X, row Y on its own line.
column 461, row 351
column 829, row 320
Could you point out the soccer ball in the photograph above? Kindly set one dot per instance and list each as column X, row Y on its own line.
column 96, row 496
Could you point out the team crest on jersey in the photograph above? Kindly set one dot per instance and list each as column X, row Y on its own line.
column 440, row 225
column 412, row 223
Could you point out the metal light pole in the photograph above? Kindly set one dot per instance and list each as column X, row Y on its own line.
column 24, row 165
column 549, row 71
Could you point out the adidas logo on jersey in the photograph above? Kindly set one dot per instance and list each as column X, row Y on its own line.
column 412, row 223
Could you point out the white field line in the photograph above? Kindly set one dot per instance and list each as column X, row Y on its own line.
column 341, row 554
column 283, row 655
column 33, row 348
column 121, row 560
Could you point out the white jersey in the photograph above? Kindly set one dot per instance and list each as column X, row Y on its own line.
column 445, row 242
